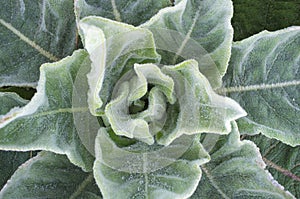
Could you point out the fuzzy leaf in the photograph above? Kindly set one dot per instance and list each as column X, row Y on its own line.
column 200, row 109
column 264, row 78
column 49, row 175
column 145, row 178
column 10, row 160
column 32, row 33
column 236, row 170
column 46, row 122
column 132, row 12
column 113, row 48
column 283, row 161
column 203, row 32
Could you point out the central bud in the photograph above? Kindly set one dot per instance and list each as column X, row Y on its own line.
column 139, row 103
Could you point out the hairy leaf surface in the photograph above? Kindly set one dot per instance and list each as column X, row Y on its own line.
column 113, row 48
column 177, row 179
column 200, row 109
column 206, row 22
column 46, row 122
column 131, row 12
column 32, row 33
column 181, row 86
column 264, row 78
column 10, row 160
column 283, row 161
column 50, row 175
column 236, row 170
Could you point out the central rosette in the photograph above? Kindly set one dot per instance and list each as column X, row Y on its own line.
column 139, row 103
column 138, row 98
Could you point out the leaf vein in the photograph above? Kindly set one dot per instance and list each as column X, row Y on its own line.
column 29, row 41
column 238, row 89
column 213, row 183
column 187, row 37
column 115, row 11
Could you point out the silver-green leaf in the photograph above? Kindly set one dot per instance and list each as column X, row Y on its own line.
column 32, row 33
column 10, row 160
column 207, row 23
column 237, row 170
column 264, row 77
column 283, row 161
column 142, row 176
column 200, row 108
column 113, row 48
column 132, row 12
column 50, row 175
column 46, row 122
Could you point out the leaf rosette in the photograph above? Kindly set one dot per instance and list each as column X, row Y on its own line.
column 149, row 115
column 139, row 99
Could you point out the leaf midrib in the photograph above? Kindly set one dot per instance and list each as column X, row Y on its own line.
column 187, row 36
column 210, row 178
column 116, row 12
column 255, row 87
column 25, row 39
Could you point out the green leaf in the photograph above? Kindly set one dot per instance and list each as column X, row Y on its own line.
column 132, row 12
column 9, row 163
column 236, row 170
column 10, row 160
column 113, row 48
column 282, row 160
column 141, row 174
column 32, row 33
column 46, row 122
column 263, row 77
column 50, row 175
column 200, row 108
column 198, row 30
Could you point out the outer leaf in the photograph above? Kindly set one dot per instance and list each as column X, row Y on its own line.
column 49, row 175
column 236, row 170
column 200, row 109
column 10, row 160
column 32, row 33
column 177, row 180
column 283, row 162
column 46, row 123
column 132, row 12
column 208, row 23
column 113, row 48
column 264, row 78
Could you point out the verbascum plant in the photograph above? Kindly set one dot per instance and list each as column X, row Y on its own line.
column 152, row 106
